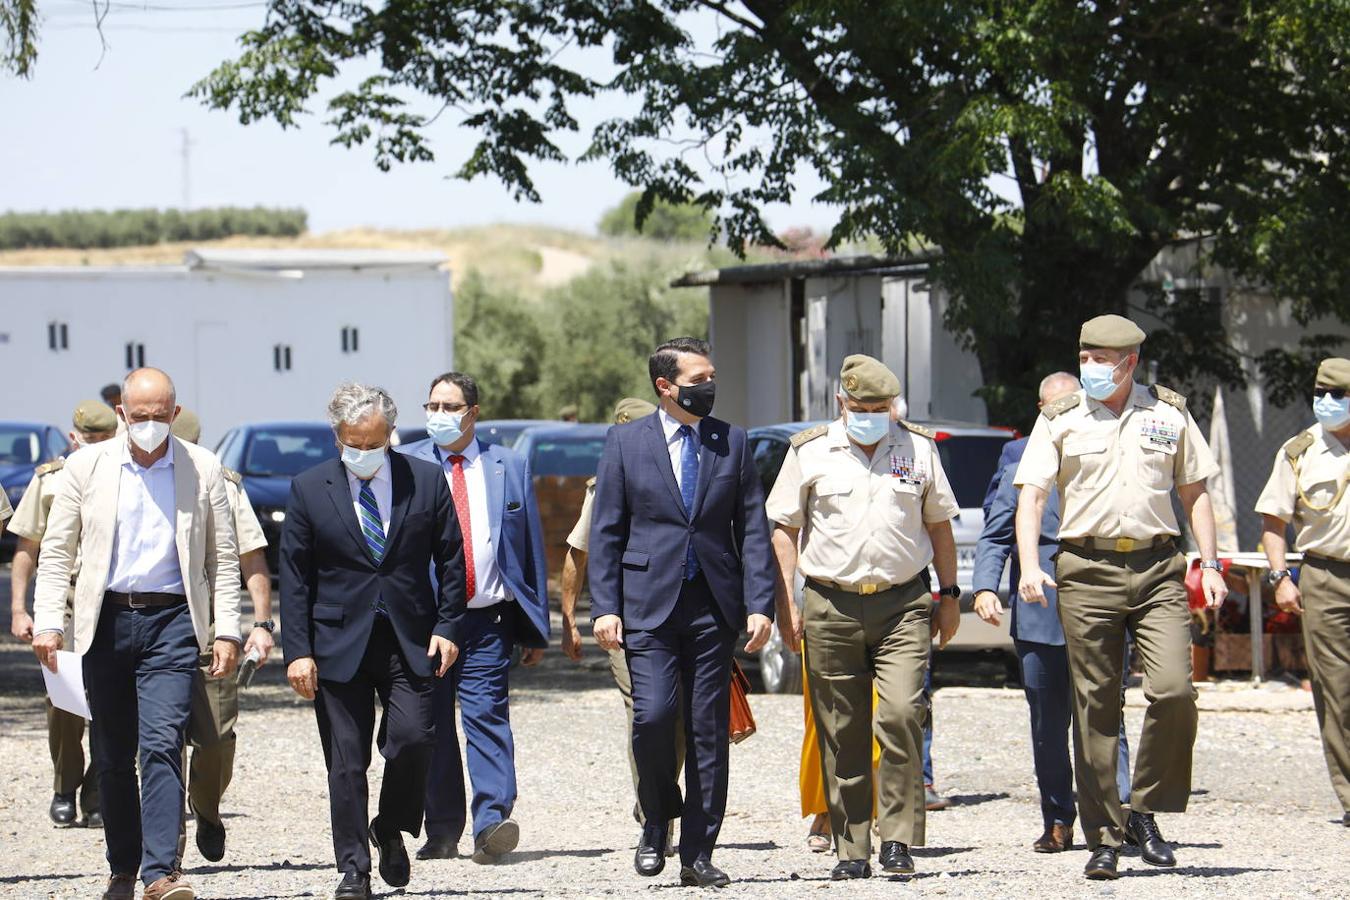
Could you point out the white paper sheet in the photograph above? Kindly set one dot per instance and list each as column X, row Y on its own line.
column 65, row 686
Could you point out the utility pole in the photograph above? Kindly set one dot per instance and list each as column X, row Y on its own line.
column 187, row 169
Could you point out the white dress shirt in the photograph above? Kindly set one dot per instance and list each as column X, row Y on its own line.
column 675, row 443
column 145, row 547
column 488, row 586
column 383, row 489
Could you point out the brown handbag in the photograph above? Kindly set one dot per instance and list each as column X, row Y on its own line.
column 742, row 719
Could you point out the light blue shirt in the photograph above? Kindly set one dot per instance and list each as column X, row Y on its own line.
column 145, row 549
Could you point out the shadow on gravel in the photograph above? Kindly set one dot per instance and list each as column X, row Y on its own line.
column 286, row 866
column 976, row 799
column 938, row 851
column 535, row 855
column 1197, row 871
column 20, row 879
column 1180, row 846
column 762, row 846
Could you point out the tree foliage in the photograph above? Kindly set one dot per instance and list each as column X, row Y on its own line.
column 18, row 36
column 659, row 220
column 84, row 229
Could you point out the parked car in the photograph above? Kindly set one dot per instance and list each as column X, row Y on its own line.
column 562, row 449
column 269, row 455
column 23, row 447
column 969, row 455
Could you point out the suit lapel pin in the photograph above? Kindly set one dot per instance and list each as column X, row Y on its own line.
column 715, row 436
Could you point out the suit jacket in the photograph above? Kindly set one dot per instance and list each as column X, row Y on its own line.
column 640, row 532
column 1030, row 621
column 83, row 523
column 330, row 583
column 517, row 533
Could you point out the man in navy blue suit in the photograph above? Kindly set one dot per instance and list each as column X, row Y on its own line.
column 362, row 618
column 680, row 561
column 506, row 590
column 1038, row 639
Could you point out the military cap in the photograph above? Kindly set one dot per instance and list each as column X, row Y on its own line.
column 94, row 416
column 570, row 411
column 867, row 380
column 1110, row 333
column 1334, row 373
column 187, row 427
column 630, row 409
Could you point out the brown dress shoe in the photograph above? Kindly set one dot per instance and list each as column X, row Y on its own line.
column 170, row 887
column 121, row 887
column 1057, row 839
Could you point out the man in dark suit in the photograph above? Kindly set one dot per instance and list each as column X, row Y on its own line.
column 506, row 595
column 362, row 618
column 1038, row 639
column 680, row 560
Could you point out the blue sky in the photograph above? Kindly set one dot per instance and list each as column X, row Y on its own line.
column 96, row 129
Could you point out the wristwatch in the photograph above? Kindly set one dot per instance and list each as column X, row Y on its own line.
column 954, row 592
column 1211, row 564
column 1276, row 576
column 266, row 625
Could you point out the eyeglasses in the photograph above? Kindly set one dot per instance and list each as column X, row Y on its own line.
column 1336, row 393
column 445, row 407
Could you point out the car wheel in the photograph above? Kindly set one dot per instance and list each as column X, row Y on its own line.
column 779, row 668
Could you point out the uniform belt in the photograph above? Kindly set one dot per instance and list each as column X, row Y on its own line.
column 137, row 600
column 865, row 589
column 1324, row 560
column 1120, row 545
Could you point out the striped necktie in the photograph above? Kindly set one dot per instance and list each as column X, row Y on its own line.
column 371, row 524
column 688, row 488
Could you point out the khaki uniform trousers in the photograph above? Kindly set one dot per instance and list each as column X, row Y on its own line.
column 618, row 667
column 213, row 713
column 1102, row 594
column 1325, row 585
column 858, row 641
column 65, row 736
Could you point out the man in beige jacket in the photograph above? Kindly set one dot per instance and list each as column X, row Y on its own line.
column 149, row 519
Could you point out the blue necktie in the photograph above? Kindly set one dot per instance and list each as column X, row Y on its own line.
column 373, row 528
column 688, row 486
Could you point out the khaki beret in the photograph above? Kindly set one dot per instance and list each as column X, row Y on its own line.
column 868, row 380
column 1334, row 373
column 569, row 411
column 630, row 409
column 187, row 427
column 94, row 416
column 1110, row 333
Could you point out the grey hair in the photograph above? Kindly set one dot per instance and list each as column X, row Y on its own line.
column 1053, row 377
column 353, row 402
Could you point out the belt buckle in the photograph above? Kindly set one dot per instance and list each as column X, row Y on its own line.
column 1124, row 545
column 131, row 601
column 867, row 589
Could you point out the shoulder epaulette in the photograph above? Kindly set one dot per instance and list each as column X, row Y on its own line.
column 1168, row 396
column 590, row 482
column 1298, row 445
column 48, row 468
column 232, row 475
column 810, row 434
column 918, row 429
column 1062, row 405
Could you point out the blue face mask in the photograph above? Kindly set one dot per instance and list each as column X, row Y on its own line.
column 1333, row 414
column 1099, row 379
column 866, row 428
column 363, row 463
column 444, row 428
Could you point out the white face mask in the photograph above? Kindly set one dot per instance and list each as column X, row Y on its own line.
column 363, row 463
column 148, row 435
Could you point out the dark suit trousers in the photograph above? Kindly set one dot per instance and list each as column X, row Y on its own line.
column 138, row 672
column 687, row 660
column 346, row 714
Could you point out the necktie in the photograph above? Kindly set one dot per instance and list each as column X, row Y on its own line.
column 371, row 524
column 688, row 485
column 459, row 490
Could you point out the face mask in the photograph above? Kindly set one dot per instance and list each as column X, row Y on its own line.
column 697, row 399
column 444, row 428
column 1333, row 414
column 362, row 463
column 1097, row 379
column 866, row 428
column 148, row 435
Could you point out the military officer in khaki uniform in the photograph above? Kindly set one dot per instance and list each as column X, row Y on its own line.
column 862, row 506
column 1308, row 488
column 1116, row 450
column 215, row 701
column 629, row 409
column 93, row 422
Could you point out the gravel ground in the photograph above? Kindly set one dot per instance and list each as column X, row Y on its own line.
column 1263, row 821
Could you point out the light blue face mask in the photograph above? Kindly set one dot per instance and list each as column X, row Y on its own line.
column 363, row 463
column 1098, row 379
column 1333, row 414
column 444, row 428
column 866, row 428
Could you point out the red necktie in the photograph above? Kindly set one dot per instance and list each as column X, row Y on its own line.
column 459, row 489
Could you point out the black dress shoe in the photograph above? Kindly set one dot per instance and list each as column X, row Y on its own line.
column 94, row 820
column 1142, row 831
column 62, row 810
column 353, row 887
column 210, row 838
column 444, row 847
column 395, row 869
column 703, row 874
column 1102, row 864
column 495, row 841
column 849, row 869
column 1345, row 820
column 650, row 858
column 895, row 858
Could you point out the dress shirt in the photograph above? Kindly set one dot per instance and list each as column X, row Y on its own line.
column 145, row 547
column 675, row 443
column 488, row 586
column 381, row 487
